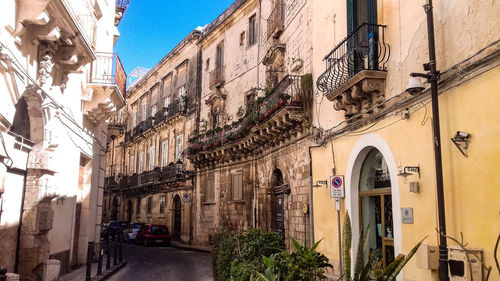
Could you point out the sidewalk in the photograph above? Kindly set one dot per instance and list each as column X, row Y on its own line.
column 79, row 274
column 180, row 245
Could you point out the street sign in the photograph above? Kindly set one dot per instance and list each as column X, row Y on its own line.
column 186, row 197
column 337, row 186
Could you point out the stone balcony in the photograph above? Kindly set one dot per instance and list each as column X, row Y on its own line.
column 356, row 72
column 171, row 176
column 107, row 84
column 167, row 114
column 217, row 77
column 270, row 122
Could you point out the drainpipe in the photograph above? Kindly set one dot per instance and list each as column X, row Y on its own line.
column 311, row 209
column 21, row 213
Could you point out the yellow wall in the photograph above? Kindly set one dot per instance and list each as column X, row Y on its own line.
column 471, row 185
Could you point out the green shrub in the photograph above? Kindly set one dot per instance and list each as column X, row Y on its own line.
column 238, row 256
column 223, row 253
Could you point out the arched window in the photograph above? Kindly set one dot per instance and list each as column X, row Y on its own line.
column 376, row 206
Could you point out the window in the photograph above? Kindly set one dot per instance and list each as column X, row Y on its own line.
column 131, row 164
column 252, row 30
column 237, row 182
column 207, row 64
column 162, row 204
column 153, row 110
column 242, row 38
column 182, row 91
column 138, row 207
column 151, row 158
column 141, row 162
column 164, row 153
column 179, row 142
column 167, row 101
column 219, row 58
column 149, row 205
column 209, row 190
column 134, row 119
column 144, row 111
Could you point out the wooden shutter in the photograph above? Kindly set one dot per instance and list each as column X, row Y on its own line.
column 179, row 147
column 164, row 153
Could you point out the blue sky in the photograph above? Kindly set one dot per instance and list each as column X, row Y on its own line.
column 151, row 28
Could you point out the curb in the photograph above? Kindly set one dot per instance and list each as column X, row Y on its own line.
column 110, row 273
column 189, row 247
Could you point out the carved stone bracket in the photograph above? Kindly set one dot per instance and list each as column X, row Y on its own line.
column 360, row 94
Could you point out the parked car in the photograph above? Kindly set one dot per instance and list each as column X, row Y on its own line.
column 130, row 232
column 111, row 229
column 153, row 234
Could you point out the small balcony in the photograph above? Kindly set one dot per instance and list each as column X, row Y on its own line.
column 275, row 22
column 272, row 120
column 356, row 71
column 162, row 116
column 217, row 77
column 107, row 79
column 168, row 176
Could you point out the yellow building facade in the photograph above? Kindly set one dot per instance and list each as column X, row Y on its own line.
column 380, row 138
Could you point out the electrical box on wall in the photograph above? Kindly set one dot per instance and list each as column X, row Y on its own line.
column 462, row 265
column 428, row 257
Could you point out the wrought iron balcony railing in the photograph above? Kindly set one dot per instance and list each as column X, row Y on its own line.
column 107, row 69
column 216, row 77
column 363, row 49
column 170, row 173
column 275, row 22
column 287, row 93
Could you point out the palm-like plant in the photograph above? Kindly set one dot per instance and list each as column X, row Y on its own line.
column 370, row 270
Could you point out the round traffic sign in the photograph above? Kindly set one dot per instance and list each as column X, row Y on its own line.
column 337, row 182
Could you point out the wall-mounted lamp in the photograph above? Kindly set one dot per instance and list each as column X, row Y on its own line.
column 461, row 141
column 409, row 170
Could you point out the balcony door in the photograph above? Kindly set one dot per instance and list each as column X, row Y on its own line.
column 363, row 35
column 277, row 204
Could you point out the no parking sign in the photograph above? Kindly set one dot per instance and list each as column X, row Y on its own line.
column 337, row 186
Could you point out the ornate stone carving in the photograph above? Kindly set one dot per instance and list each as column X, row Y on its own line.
column 361, row 94
column 45, row 64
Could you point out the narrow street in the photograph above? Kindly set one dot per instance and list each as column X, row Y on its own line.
column 164, row 263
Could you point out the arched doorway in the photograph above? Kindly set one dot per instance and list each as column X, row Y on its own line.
column 114, row 209
column 372, row 157
column 177, row 218
column 129, row 210
column 375, row 199
column 278, row 203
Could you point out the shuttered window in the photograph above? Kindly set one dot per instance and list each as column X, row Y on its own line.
column 209, row 190
column 164, row 153
column 237, row 190
column 162, row 204
column 252, row 31
column 179, row 146
column 141, row 162
column 149, row 205
column 152, row 155
column 131, row 164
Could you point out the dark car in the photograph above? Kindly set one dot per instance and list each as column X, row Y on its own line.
column 111, row 229
column 151, row 234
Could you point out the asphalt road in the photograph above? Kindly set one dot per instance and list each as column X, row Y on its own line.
column 164, row 263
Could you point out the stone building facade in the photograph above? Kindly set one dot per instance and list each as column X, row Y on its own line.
column 149, row 179
column 246, row 130
column 380, row 137
column 57, row 88
column 251, row 149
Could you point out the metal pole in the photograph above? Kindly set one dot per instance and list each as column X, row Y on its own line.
column 108, row 254
column 337, row 206
column 90, row 252
column 115, row 249
column 434, row 76
column 101, row 253
column 120, row 250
